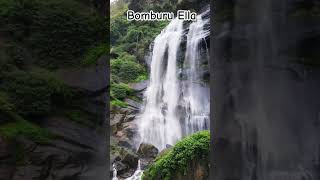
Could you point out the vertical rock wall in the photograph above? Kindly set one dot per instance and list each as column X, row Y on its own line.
column 266, row 82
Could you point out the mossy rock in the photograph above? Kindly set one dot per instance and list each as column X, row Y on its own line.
column 33, row 93
column 177, row 160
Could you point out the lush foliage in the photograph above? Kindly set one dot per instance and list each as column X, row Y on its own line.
column 176, row 160
column 37, row 37
column 55, row 33
column 120, row 91
column 126, row 70
column 130, row 42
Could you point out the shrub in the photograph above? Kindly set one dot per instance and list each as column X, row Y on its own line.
column 176, row 160
column 141, row 78
column 126, row 70
column 120, row 91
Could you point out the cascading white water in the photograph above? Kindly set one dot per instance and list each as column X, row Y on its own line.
column 161, row 121
column 114, row 175
column 137, row 175
column 158, row 123
column 195, row 94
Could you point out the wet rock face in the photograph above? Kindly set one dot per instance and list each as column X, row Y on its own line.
column 67, row 156
column 76, row 151
column 265, row 90
column 124, row 133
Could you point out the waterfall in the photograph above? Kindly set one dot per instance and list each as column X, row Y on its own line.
column 159, row 123
column 114, row 175
column 137, row 174
column 176, row 106
column 195, row 94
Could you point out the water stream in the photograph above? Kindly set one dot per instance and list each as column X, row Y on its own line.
column 177, row 98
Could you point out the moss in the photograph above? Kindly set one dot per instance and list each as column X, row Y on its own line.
column 34, row 93
column 80, row 117
column 118, row 103
column 93, row 54
column 176, row 160
column 26, row 129
column 55, row 32
column 5, row 105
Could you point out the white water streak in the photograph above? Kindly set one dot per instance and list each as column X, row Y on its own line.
column 196, row 95
column 159, row 124
column 161, row 121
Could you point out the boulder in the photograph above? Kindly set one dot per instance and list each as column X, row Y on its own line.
column 131, row 159
column 133, row 103
column 126, row 143
column 140, row 86
column 147, row 151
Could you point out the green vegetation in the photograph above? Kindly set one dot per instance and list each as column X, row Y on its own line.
column 37, row 38
column 119, row 103
column 176, row 160
column 120, row 91
column 5, row 105
column 51, row 33
column 130, row 42
column 33, row 93
column 93, row 54
column 126, row 70
column 80, row 117
column 25, row 129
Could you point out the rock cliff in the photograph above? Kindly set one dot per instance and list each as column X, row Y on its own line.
column 265, row 111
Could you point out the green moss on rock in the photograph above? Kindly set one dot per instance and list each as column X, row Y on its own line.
column 33, row 93
column 26, row 129
column 176, row 160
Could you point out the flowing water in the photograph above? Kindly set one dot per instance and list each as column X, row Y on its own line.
column 159, row 123
column 177, row 98
column 114, row 175
column 195, row 93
